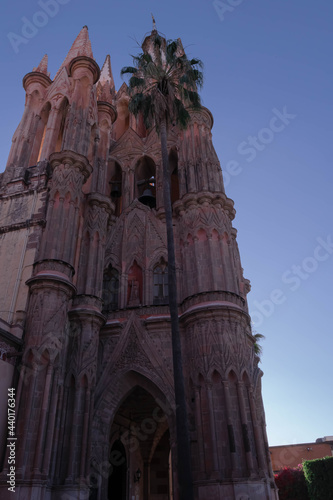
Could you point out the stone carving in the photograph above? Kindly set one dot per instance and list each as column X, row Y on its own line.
column 7, row 353
column 133, row 355
column 67, row 179
column 96, row 220
column 61, row 86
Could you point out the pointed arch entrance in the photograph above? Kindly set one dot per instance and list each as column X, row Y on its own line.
column 140, row 448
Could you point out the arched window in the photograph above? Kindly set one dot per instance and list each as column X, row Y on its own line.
column 40, row 135
column 145, row 175
column 161, row 293
column 116, row 185
column 63, row 115
column 122, row 122
column 110, row 289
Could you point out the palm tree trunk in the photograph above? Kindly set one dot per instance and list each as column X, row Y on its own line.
column 183, row 436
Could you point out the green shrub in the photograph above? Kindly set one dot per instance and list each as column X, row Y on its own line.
column 319, row 478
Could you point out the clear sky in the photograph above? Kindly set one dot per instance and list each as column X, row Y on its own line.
column 268, row 82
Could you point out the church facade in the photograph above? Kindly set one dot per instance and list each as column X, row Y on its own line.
column 85, row 340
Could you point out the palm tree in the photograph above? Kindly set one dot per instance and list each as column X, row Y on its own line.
column 256, row 346
column 163, row 88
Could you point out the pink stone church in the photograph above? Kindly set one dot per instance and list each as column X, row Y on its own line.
column 85, row 338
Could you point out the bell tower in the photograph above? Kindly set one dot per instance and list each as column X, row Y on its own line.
column 85, row 336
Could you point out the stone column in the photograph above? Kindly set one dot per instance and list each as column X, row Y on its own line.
column 107, row 115
column 213, row 273
column 51, row 133
column 96, row 216
column 86, row 320
column 199, row 433
column 46, row 341
column 246, row 442
column 198, row 273
column 70, row 171
column 257, row 435
column 215, row 472
column 232, row 447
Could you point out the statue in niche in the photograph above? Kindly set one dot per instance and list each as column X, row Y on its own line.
column 134, row 298
column 134, row 289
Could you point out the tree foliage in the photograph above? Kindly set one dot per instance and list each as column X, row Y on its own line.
column 164, row 83
column 319, row 478
column 257, row 337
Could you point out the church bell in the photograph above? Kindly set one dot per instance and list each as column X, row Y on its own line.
column 148, row 199
column 115, row 191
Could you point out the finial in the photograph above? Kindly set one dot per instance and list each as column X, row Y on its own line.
column 154, row 23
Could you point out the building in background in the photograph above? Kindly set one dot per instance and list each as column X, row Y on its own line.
column 85, row 326
column 291, row 455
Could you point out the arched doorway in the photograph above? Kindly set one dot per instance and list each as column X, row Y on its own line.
column 117, row 488
column 141, row 427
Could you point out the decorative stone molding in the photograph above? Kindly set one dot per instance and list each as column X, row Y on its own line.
column 97, row 213
column 85, row 63
column 87, row 301
column 61, row 268
column 205, row 198
column 106, row 107
column 36, row 77
column 203, row 116
column 23, row 225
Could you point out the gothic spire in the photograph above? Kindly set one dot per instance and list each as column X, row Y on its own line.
column 81, row 47
column 106, row 72
column 42, row 66
column 105, row 85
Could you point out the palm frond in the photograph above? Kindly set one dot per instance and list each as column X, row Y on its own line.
column 182, row 115
column 198, row 77
column 196, row 62
column 157, row 40
column 171, row 49
column 135, row 82
column 256, row 346
column 128, row 69
column 191, row 97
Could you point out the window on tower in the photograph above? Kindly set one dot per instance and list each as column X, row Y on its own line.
column 161, row 295
column 110, row 289
column 116, row 185
column 145, row 180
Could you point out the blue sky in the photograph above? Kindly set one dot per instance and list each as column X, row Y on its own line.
column 263, row 59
